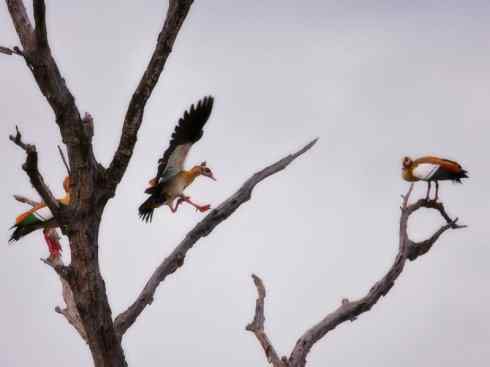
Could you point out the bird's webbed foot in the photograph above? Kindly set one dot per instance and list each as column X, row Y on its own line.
column 187, row 199
column 203, row 208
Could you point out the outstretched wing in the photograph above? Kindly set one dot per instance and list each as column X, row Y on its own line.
column 187, row 132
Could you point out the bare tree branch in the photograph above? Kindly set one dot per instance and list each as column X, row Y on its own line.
column 70, row 312
column 21, row 22
column 176, row 14
column 91, row 186
column 417, row 249
column 11, row 51
column 349, row 310
column 257, row 327
column 44, row 68
column 65, row 163
column 6, row 50
column 26, row 200
column 176, row 259
column 31, row 168
column 40, row 31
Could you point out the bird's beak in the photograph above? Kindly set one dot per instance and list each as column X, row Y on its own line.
column 211, row 176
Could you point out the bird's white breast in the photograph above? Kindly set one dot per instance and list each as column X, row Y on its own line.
column 425, row 171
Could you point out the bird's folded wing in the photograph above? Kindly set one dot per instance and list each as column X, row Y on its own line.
column 425, row 171
column 44, row 214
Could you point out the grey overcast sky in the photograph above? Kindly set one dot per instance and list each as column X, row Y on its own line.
column 375, row 80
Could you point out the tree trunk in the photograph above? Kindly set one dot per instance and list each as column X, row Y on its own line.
column 90, row 296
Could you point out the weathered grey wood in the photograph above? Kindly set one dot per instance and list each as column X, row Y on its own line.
column 92, row 184
column 257, row 326
column 176, row 259
column 350, row 310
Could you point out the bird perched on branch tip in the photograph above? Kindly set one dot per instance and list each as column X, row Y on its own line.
column 432, row 169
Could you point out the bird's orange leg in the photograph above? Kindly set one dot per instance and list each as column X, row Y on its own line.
column 187, row 199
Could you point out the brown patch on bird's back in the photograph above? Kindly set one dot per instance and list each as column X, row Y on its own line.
column 446, row 164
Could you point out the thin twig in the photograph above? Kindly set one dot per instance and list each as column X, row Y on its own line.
column 64, row 160
column 176, row 259
column 6, row 50
column 11, row 51
column 26, row 200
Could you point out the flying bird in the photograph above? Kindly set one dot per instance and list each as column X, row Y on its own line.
column 432, row 169
column 41, row 217
column 172, row 179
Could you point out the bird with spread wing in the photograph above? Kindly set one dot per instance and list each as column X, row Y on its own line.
column 432, row 169
column 172, row 179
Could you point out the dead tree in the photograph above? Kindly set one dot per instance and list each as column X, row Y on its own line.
column 350, row 310
column 87, row 307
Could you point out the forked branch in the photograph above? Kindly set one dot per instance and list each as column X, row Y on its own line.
column 350, row 310
column 176, row 259
column 43, row 66
column 176, row 14
column 257, row 327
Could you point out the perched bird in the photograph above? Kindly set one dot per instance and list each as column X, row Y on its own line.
column 40, row 217
column 431, row 169
column 171, row 179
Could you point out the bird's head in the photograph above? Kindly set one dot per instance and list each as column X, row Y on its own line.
column 204, row 170
column 407, row 162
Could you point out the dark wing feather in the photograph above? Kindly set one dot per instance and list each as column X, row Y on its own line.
column 187, row 132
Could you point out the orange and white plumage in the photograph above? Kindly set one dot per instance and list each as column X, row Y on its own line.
column 432, row 169
column 172, row 179
column 40, row 217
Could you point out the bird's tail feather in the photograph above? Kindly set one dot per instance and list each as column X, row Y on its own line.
column 146, row 209
column 21, row 231
column 462, row 174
